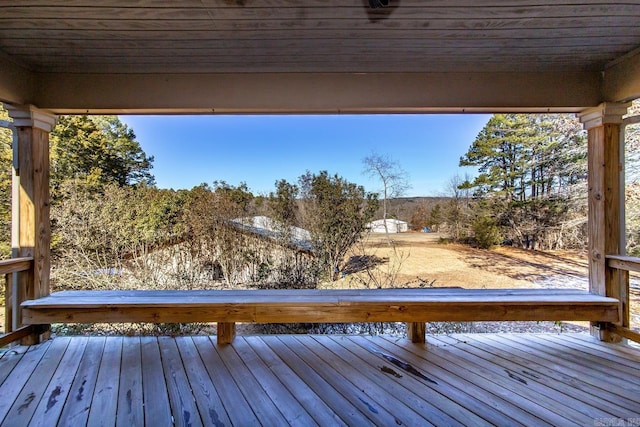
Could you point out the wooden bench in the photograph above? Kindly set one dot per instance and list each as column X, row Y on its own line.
column 414, row 306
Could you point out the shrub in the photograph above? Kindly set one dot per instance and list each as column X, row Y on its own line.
column 486, row 231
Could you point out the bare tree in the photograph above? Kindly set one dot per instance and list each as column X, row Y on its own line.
column 394, row 180
column 457, row 208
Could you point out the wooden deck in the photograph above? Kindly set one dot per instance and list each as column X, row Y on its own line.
column 474, row 379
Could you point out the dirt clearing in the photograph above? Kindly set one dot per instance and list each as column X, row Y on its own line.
column 422, row 258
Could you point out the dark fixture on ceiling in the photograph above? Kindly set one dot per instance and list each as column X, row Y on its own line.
column 378, row 10
column 376, row 4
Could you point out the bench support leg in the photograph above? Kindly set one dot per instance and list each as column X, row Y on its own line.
column 226, row 332
column 416, row 332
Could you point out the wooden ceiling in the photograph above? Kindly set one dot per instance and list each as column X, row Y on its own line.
column 48, row 45
column 120, row 36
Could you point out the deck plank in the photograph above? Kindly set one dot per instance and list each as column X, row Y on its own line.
column 372, row 402
column 578, row 361
column 239, row 410
column 566, row 368
column 482, row 379
column 624, row 364
column 503, row 375
column 312, row 403
column 439, row 409
column 531, row 370
column 211, row 408
column 15, row 381
column 130, row 398
column 157, row 409
column 78, row 403
column 262, row 405
column 27, row 401
column 396, row 405
column 288, row 405
column 56, row 393
column 183, row 404
column 609, row 348
column 10, row 358
column 493, row 404
column 349, row 413
column 105, row 396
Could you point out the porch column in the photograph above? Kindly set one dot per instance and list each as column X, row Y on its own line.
column 605, row 202
column 31, row 236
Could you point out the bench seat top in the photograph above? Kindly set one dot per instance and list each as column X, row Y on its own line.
column 320, row 305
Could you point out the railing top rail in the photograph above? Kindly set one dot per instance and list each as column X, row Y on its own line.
column 14, row 265
column 624, row 262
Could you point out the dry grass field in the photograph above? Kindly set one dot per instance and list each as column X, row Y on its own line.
column 422, row 258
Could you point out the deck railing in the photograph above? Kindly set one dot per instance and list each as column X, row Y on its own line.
column 12, row 328
column 626, row 264
column 14, row 331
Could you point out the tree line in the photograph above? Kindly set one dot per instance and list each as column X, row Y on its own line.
column 528, row 189
column 106, row 213
column 530, row 186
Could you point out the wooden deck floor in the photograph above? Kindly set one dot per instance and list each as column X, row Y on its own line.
column 482, row 379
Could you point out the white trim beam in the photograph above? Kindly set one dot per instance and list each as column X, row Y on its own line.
column 330, row 93
column 31, row 116
column 17, row 83
column 622, row 78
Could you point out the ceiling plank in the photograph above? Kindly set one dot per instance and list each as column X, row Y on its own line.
column 319, row 10
column 295, row 24
column 42, row 45
column 378, row 33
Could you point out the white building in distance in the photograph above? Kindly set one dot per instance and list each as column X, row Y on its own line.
column 393, row 225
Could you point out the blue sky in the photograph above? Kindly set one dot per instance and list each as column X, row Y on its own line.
column 258, row 150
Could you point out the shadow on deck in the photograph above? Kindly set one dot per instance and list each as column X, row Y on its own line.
column 473, row 379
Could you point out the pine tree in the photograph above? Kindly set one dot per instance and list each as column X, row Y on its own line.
column 95, row 150
column 532, row 172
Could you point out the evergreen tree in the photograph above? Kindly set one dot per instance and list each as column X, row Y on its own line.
column 435, row 217
column 532, row 171
column 335, row 211
column 95, row 150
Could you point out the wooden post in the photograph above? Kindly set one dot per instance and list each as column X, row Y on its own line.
column 416, row 332
column 605, row 198
column 226, row 332
column 8, row 304
column 31, row 178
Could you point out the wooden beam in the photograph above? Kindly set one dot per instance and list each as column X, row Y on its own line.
column 20, row 333
column 605, row 166
column 32, row 178
column 15, row 265
column 329, row 93
column 8, row 303
column 17, row 82
column 624, row 262
column 416, row 332
column 226, row 332
column 624, row 332
column 622, row 78
column 326, row 306
column 9, row 267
